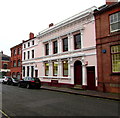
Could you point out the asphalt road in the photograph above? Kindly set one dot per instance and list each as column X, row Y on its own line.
column 39, row 102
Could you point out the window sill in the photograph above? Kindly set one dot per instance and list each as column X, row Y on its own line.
column 112, row 74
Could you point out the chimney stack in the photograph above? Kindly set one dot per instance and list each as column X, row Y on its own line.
column 50, row 25
column 109, row 2
column 31, row 35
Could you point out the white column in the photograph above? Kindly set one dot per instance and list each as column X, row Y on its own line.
column 84, row 75
column 59, row 40
column 82, row 41
column 50, row 47
column 71, row 42
column 60, row 68
column 50, row 68
column 69, row 68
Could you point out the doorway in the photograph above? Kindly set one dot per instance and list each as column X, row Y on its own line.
column 91, row 78
column 78, row 73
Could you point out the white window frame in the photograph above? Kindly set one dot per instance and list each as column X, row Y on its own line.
column 114, row 20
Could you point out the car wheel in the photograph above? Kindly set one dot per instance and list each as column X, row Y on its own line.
column 7, row 83
column 28, row 86
column 3, row 82
column 19, row 85
column 12, row 84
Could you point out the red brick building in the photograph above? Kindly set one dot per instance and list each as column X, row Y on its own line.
column 16, row 61
column 107, row 20
column 4, row 65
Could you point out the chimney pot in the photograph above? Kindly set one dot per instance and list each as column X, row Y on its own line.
column 31, row 35
column 50, row 25
column 109, row 2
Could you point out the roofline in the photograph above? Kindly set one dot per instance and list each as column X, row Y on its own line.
column 105, row 8
column 29, row 39
column 68, row 20
column 16, row 46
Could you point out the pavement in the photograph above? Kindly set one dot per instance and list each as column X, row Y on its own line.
column 92, row 93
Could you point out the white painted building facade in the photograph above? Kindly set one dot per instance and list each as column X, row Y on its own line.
column 65, row 53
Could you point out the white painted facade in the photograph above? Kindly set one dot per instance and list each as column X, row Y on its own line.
column 83, row 23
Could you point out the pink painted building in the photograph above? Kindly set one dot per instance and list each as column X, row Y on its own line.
column 65, row 53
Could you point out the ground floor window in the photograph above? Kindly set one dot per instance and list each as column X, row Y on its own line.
column 46, row 69
column 115, row 52
column 13, row 74
column 23, row 71
column 65, row 68
column 18, row 75
column 55, row 68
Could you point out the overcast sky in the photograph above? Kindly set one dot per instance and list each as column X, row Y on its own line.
column 20, row 17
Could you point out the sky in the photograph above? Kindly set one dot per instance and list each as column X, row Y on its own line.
column 20, row 17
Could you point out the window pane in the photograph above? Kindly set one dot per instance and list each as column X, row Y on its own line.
column 55, row 68
column 77, row 39
column 46, row 69
column 116, row 63
column 65, row 44
column 55, row 47
column 65, row 68
column 46, row 49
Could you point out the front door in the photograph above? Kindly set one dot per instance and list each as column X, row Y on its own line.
column 91, row 78
column 36, row 73
column 78, row 73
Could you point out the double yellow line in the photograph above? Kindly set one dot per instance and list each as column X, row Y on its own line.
column 4, row 114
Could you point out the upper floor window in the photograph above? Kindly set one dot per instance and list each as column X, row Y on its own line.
column 115, row 22
column 19, row 51
column 28, row 54
column 77, row 41
column 28, row 44
column 33, row 42
column 32, row 53
column 47, row 49
column 14, row 52
column 24, row 55
column 46, row 69
column 65, row 44
column 115, row 52
column 55, row 47
column 14, row 63
column 19, row 63
column 24, row 46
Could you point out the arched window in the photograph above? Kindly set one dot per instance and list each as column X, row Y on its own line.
column 19, row 63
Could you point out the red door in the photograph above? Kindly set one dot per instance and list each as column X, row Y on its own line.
column 78, row 73
column 91, row 78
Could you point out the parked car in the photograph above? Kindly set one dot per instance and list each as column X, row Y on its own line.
column 5, row 79
column 12, row 81
column 1, row 80
column 30, row 82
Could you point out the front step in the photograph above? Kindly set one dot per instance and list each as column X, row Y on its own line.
column 78, row 87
